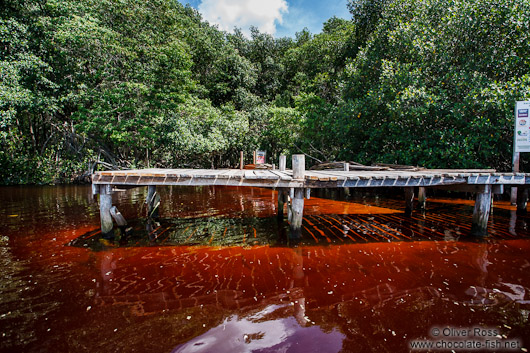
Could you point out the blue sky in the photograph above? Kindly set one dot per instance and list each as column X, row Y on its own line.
column 281, row 18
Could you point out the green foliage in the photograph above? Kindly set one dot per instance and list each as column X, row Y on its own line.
column 281, row 132
column 142, row 84
column 202, row 134
column 420, row 85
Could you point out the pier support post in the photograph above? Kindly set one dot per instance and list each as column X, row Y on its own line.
column 297, row 213
column 282, row 199
column 409, row 200
column 105, row 204
column 515, row 169
column 522, row 200
column 422, row 198
column 346, row 169
column 283, row 163
column 298, row 166
column 152, row 201
column 481, row 212
column 297, row 200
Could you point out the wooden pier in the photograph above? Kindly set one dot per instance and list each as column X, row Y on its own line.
column 295, row 184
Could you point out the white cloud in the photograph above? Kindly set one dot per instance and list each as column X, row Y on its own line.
column 263, row 14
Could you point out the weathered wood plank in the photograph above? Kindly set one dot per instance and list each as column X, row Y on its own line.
column 265, row 174
column 329, row 174
column 234, row 174
column 224, row 174
column 281, row 175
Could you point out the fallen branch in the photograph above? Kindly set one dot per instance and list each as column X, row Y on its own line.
column 305, row 154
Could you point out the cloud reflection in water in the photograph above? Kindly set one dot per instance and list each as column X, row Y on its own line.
column 254, row 334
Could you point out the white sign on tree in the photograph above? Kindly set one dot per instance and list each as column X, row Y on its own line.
column 522, row 127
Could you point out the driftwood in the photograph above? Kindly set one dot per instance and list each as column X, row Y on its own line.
column 340, row 166
column 118, row 217
column 357, row 166
column 399, row 166
column 257, row 166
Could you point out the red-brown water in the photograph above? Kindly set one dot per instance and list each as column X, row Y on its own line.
column 247, row 295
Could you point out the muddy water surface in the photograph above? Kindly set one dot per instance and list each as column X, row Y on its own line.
column 219, row 273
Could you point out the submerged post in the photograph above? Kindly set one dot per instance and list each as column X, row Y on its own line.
column 422, row 198
column 409, row 200
column 481, row 212
column 105, row 204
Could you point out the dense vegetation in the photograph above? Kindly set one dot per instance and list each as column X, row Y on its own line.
column 90, row 84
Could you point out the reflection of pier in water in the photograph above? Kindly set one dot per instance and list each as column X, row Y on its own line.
column 443, row 222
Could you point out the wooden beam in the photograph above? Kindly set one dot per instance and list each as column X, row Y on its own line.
column 474, row 188
column 409, row 200
column 346, row 167
column 298, row 166
column 241, row 160
column 481, row 213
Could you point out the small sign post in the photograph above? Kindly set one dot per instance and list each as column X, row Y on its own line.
column 521, row 140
